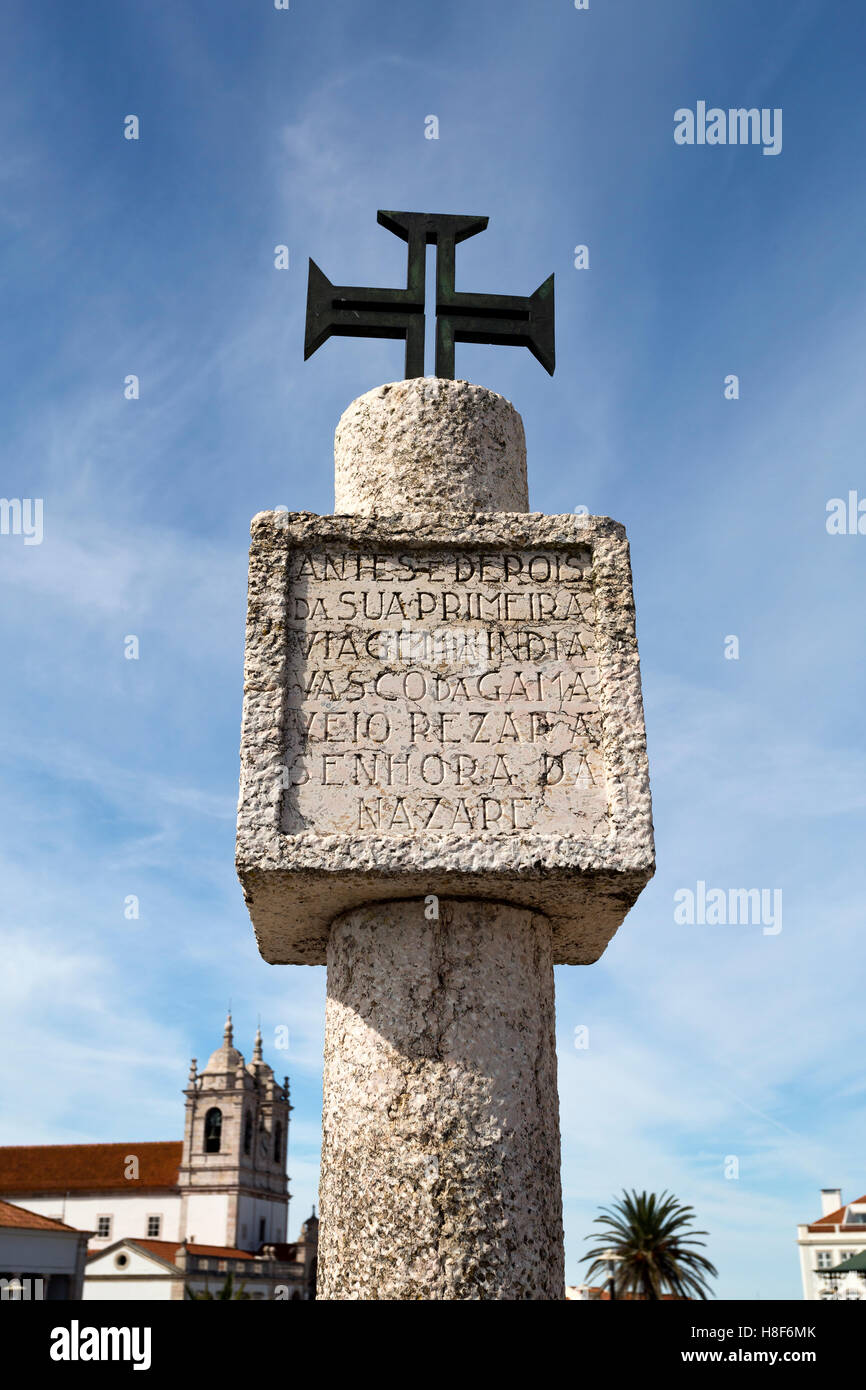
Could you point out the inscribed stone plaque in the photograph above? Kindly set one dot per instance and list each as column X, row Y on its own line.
column 451, row 710
column 437, row 692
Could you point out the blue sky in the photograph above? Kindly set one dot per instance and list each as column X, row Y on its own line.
column 155, row 257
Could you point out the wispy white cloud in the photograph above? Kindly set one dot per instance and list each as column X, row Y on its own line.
column 121, row 777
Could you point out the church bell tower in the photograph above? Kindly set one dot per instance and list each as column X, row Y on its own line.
column 232, row 1180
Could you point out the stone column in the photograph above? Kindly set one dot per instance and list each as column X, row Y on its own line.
column 440, row 824
column 440, row 1163
column 426, row 445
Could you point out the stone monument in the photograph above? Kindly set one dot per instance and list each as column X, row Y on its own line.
column 444, row 792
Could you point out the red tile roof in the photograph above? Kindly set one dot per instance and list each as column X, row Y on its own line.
column 168, row 1249
column 833, row 1218
column 602, row 1294
column 222, row 1252
column 87, row 1167
column 642, row 1298
column 30, row 1220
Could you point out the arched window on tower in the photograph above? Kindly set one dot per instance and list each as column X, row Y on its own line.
column 213, row 1128
column 278, row 1141
column 248, row 1133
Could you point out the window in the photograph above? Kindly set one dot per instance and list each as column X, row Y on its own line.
column 213, row 1126
column 248, row 1133
column 103, row 1227
column 856, row 1218
column 121, row 1261
column 278, row 1141
column 825, row 1259
column 154, row 1224
column 261, row 1229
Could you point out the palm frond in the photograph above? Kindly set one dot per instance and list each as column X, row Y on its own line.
column 653, row 1238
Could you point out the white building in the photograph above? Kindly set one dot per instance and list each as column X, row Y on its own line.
column 39, row 1258
column 838, row 1235
column 223, row 1188
column 162, row 1269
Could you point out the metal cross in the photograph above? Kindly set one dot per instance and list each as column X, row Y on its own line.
column 354, row 312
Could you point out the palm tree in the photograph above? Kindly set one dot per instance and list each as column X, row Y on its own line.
column 651, row 1236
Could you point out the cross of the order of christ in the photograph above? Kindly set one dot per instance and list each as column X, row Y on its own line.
column 349, row 311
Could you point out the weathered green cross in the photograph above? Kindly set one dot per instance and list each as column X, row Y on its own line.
column 349, row 311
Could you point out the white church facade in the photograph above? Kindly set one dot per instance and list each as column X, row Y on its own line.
column 833, row 1249
column 172, row 1215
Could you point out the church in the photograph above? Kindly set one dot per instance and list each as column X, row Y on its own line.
column 176, row 1219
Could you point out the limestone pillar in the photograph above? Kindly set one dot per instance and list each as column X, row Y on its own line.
column 444, row 791
column 440, row 1162
column 426, row 445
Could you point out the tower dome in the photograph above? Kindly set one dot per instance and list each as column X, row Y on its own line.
column 226, row 1058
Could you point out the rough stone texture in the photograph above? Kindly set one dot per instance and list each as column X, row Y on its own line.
column 325, row 821
column 440, row 1166
column 426, row 445
column 442, row 697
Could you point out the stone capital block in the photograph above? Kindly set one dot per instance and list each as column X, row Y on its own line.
column 446, row 705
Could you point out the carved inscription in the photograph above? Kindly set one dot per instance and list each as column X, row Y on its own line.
column 442, row 691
